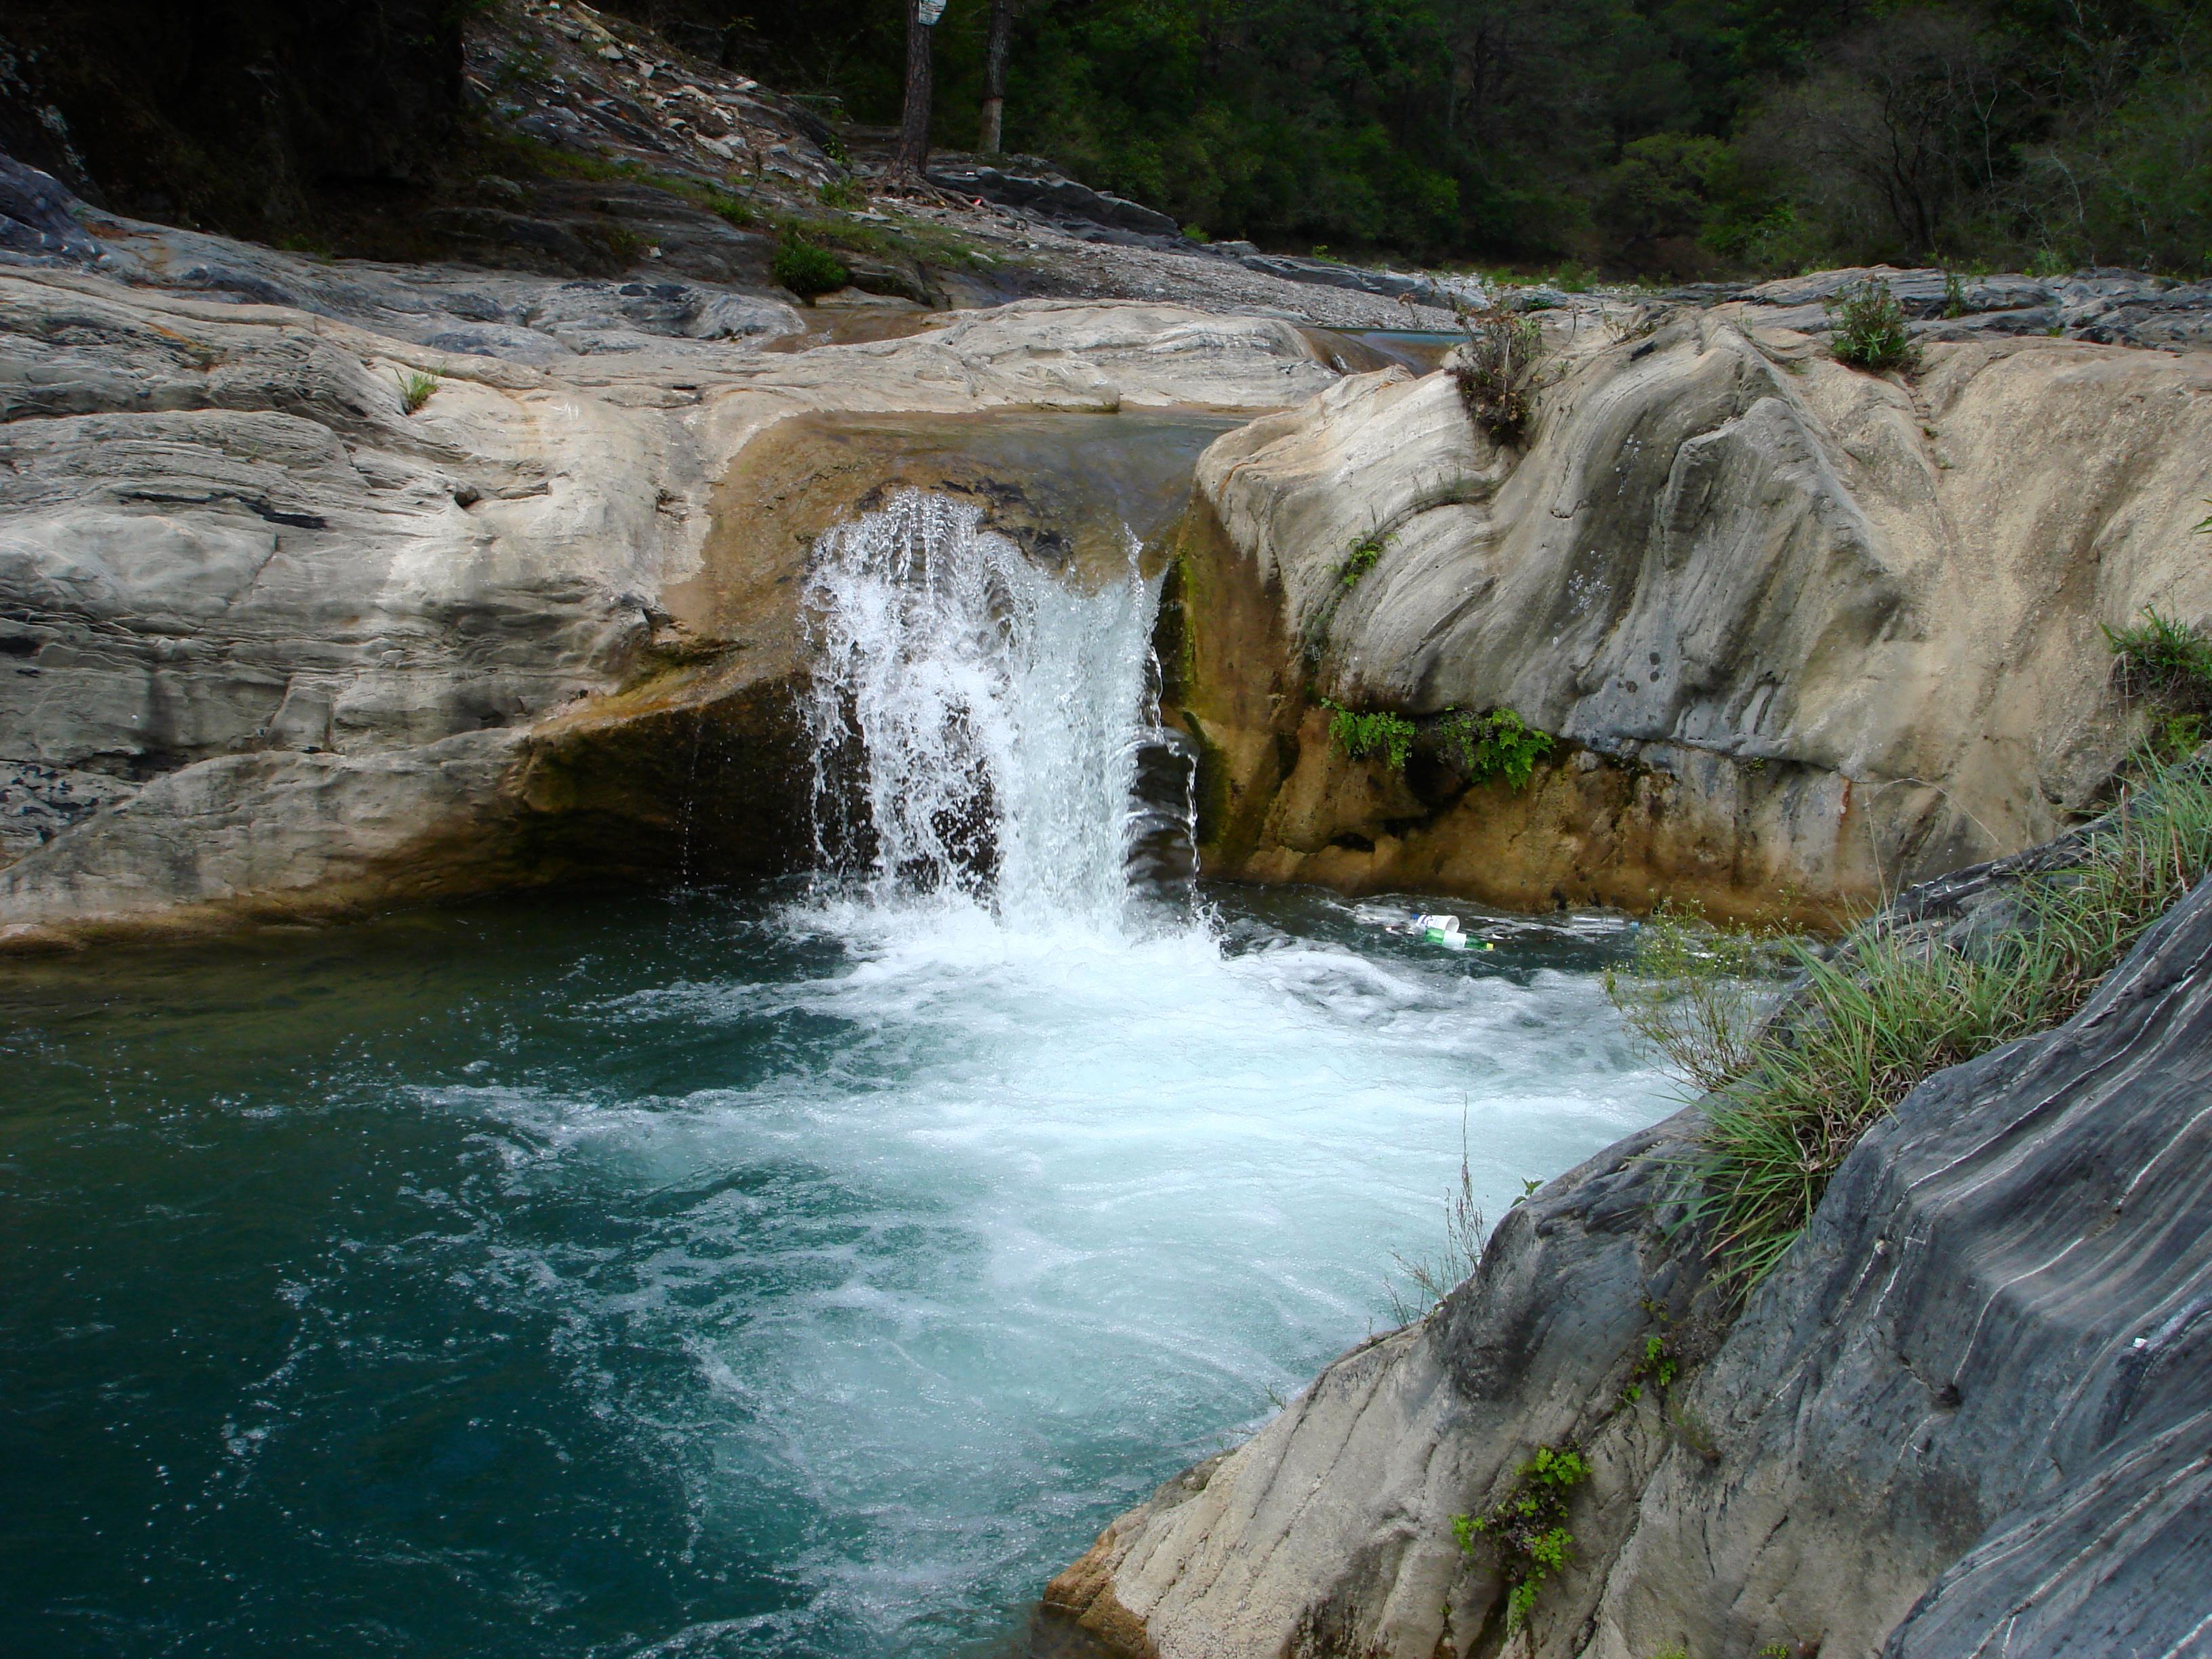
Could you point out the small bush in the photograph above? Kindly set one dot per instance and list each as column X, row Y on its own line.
column 1195, row 233
column 415, row 390
column 2165, row 660
column 1954, row 294
column 843, row 194
column 1361, row 735
column 807, row 268
column 1698, row 993
column 1500, row 369
column 1870, row 331
column 1528, row 1527
column 1498, row 745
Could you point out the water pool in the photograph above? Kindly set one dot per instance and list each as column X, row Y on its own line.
column 804, row 1270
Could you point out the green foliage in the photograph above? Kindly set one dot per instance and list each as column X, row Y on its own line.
column 1954, row 294
column 1361, row 559
column 1498, row 745
column 842, row 194
column 1500, row 368
column 1647, row 136
column 1869, row 329
column 1867, row 1025
column 2166, row 660
column 1360, row 735
column 1656, row 1365
column 1698, row 993
column 1196, row 233
column 807, row 268
column 415, row 390
column 1528, row 1527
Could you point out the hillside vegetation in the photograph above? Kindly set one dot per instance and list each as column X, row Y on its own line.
column 1662, row 135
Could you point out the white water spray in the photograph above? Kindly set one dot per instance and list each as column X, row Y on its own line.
column 977, row 723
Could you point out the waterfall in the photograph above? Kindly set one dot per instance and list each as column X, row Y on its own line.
column 982, row 727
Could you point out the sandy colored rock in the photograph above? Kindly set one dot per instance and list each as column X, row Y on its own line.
column 268, row 639
column 1804, row 634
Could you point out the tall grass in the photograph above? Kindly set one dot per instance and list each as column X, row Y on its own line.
column 1897, row 1003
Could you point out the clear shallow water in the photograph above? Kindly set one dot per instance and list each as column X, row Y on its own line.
column 735, row 1276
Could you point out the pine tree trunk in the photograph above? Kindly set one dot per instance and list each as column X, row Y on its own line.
column 912, row 157
column 994, row 76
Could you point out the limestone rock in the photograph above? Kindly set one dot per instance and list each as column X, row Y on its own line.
column 268, row 641
column 1805, row 634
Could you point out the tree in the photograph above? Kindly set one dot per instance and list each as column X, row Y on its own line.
column 994, row 76
column 911, row 159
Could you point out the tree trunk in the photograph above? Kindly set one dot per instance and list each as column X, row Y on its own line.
column 994, row 76
column 912, row 156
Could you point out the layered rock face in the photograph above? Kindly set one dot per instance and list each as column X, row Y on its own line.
column 1964, row 1415
column 1804, row 633
column 270, row 642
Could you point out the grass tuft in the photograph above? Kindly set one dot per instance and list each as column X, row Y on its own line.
column 2165, row 660
column 415, row 390
column 1864, row 1027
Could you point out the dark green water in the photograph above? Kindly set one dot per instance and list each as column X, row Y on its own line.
column 707, row 1277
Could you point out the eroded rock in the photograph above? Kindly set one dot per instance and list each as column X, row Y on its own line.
column 1803, row 634
column 1960, row 1417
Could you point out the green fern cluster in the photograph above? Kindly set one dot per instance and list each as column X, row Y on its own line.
column 1528, row 1526
column 1498, row 745
column 1360, row 735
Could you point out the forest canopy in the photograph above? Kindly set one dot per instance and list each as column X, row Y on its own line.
column 1674, row 137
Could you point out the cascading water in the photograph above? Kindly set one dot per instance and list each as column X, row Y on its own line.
column 979, row 724
column 767, row 1275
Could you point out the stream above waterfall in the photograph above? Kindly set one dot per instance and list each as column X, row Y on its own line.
column 805, row 1268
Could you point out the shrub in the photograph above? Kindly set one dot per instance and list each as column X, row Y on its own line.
column 1498, row 745
column 1866, row 1026
column 1500, row 369
column 1698, row 993
column 415, row 390
column 1360, row 735
column 807, row 269
column 1528, row 1526
column 843, row 194
column 2166, row 660
column 1954, row 294
column 1870, row 332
